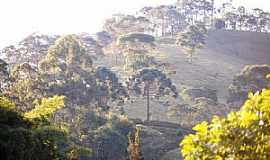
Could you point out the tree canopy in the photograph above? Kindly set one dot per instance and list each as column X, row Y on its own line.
column 22, row 138
column 192, row 39
column 241, row 135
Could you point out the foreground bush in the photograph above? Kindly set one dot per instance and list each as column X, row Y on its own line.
column 242, row 135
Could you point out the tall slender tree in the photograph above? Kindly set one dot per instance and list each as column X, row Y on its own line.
column 151, row 80
column 192, row 39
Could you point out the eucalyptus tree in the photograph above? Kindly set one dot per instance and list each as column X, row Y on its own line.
column 241, row 16
column 227, row 12
column 231, row 18
column 251, row 23
column 264, row 21
column 198, row 10
column 165, row 19
column 189, row 10
column 192, row 39
column 175, row 19
column 30, row 50
column 212, row 8
column 257, row 12
column 67, row 69
column 4, row 74
column 25, row 86
column 156, row 16
column 65, row 55
column 151, row 80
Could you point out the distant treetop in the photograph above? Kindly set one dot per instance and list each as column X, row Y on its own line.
column 136, row 37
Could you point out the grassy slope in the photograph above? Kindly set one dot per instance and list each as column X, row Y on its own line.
column 214, row 66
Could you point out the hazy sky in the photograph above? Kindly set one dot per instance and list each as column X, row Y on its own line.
column 19, row 18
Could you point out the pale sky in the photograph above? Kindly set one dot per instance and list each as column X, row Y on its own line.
column 20, row 18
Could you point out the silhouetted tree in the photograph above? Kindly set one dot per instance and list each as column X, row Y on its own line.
column 192, row 39
column 136, row 48
column 147, row 79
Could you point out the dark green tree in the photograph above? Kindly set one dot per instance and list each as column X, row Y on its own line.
column 108, row 88
column 136, row 48
column 68, row 71
column 151, row 79
column 22, row 138
column 192, row 39
column 25, row 86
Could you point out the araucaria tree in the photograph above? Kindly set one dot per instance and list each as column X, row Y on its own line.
column 242, row 135
column 192, row 39
column 136, row 48
column 151, row 79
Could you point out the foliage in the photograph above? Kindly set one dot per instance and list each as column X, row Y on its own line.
column 124, row 24
column 65, row 55
column 242, row 135
column 167, row 19
column 192, row 39
column 25, row 86
column 146, row 79
column 44, row 110
column 71, row 72
column 4, row 67
column 136, row 37
column 134, row 148
column 252, row 78
column 163, row 84
column 108, row 88
column 4, row 74
column 10, row 118
column 268, row 76
column 20, row 139
column 74, row 77
column 137, row 49
column 105, row 133
column 104, row 38
column 24, row 92
column 30, row 50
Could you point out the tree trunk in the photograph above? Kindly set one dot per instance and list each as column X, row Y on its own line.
column 212, row 13
column 190, row 58
column 148, row 104
column 172, row 30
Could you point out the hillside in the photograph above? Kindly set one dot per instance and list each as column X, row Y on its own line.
column 253, row 47
column 225, row 54
column 142, row 80
column 214, row 66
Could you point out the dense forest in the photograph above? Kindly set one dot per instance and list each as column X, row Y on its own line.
column 188, row 81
